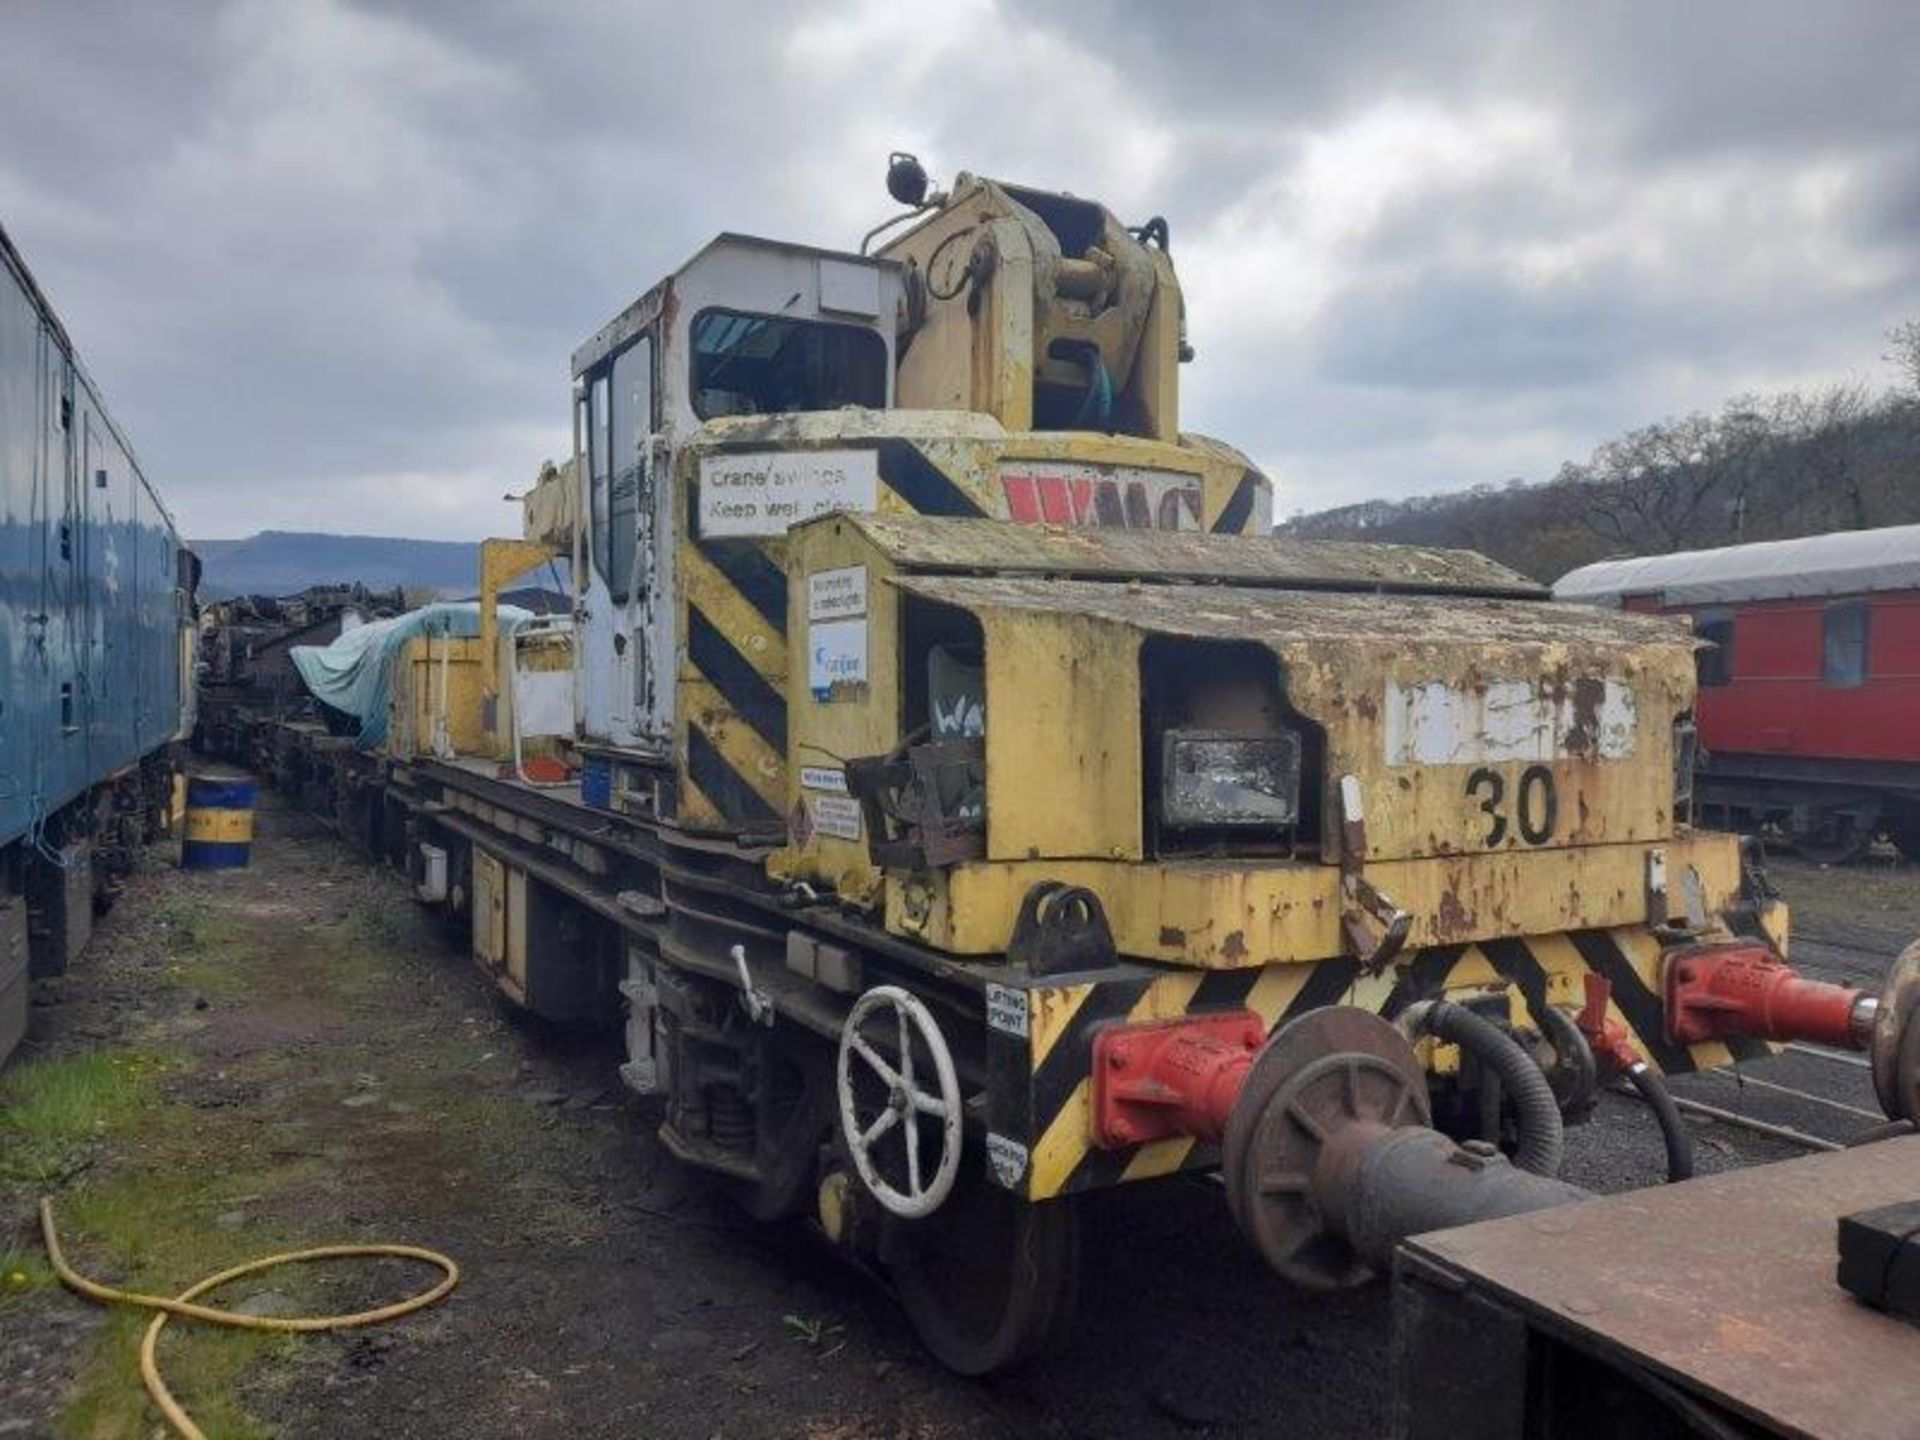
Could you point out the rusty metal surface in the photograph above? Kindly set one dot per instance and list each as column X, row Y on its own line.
column 1449, row 714
column 919, row 542
column 1275, row 616
column 1726, row 1283
column 1895, row 1047
column 1327, row 1082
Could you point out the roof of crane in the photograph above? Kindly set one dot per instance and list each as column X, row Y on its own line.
column 1000, row 547
column 1233, row 612
column 1847, row 562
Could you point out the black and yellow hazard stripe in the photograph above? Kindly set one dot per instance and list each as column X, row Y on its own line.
column 1237, row 513
column 1055, row 1108
column 733, row 700
column 732, row 687
column 926, row 487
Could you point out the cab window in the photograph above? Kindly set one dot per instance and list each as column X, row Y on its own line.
column 769, row 365
column 1843, row 644
column 598, row 477
column 619, row 420
column 1715, row 658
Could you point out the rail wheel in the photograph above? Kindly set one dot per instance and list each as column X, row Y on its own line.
column 989, row 1281
column 1832, row 837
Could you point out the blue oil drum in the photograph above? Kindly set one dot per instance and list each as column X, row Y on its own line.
column 219, row 827
column 596, row 782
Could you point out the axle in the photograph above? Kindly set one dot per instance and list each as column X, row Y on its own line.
column 1407, row 1181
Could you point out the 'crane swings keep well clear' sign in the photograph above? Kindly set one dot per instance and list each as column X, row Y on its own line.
column 769, row 493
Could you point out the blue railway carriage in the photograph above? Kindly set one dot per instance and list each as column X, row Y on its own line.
column 96, row 635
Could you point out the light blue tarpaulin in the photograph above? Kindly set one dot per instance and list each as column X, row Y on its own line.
column 354, row 673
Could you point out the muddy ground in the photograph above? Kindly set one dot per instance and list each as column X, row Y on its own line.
column 294, row 1054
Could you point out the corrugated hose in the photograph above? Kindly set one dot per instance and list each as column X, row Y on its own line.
column 182, row 1304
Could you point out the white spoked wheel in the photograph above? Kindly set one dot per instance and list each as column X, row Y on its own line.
column 898, row 1120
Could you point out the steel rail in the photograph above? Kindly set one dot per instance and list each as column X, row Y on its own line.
column 1821, row 1052
column 1746, row 1122
column 1736, row 1078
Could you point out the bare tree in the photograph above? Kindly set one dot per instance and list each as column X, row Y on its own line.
column 1675, row 485
column 1762, row 467
column 1822, row 436
column 1905, row 339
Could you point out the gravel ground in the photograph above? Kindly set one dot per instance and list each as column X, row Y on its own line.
column 339, row 1071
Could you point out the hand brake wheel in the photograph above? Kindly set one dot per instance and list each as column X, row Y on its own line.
column 890, row 1011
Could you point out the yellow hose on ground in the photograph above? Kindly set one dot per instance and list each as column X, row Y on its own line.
column 182, row 1304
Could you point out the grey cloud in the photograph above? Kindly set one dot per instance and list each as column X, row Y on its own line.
column 1461, row 330
column 329, row 259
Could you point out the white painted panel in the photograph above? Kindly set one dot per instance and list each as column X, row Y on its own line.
column 543, row 702
column 849, row 288
column 766, row 494
column 1434, row 723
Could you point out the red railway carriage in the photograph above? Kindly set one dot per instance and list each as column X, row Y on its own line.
column 1809, row 707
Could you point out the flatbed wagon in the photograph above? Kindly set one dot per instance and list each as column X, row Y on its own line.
column 963, row 805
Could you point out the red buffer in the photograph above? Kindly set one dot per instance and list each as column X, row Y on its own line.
column 1173, row 1077
column 1716, row 992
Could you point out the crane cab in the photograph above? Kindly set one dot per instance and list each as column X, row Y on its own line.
column 764, row 384
column 747, row 327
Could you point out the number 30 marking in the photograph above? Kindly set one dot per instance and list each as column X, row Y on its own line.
column 1537, row 812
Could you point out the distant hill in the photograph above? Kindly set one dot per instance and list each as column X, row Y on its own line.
column 282, row 562
column 1762, row 468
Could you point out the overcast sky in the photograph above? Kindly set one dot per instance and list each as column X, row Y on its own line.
column 328, row 260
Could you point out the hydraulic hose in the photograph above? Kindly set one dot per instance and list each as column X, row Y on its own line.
column 1542, row 1139
column 1673, row 1130
column 1573, row 1057
column 182, row 1304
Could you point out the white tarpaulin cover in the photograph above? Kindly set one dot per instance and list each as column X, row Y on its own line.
column 353, row 673
column 1847, row 562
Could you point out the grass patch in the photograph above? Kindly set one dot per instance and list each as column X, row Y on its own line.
column 54, row 1111
column 165, row 1172
column 140, row 1179
column 218, row 964
column 149, row 1219
column 205, row 1368
column 183, row 919
column 22, row 1273
column 385, row 915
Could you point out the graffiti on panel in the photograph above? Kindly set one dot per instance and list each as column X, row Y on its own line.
column 1107, row 497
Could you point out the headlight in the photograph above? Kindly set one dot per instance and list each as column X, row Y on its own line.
column 1216, row 778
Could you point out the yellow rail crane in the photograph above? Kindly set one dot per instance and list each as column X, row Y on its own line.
column 973, row 805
